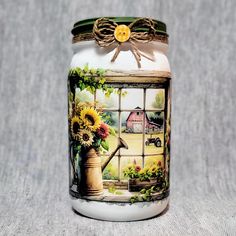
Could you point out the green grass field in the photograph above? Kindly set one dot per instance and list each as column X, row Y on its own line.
column 135, row 144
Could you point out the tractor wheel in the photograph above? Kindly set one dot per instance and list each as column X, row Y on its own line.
column 158, row 143
column 146, row 143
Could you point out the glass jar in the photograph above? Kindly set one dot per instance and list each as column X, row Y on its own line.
column 119, row 118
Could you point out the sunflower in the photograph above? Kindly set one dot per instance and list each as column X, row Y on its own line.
column 75, row 127
column 103, row 131
column 144, row 170
column 79, row 106
column 90, row 118
column 85, row 138
column 129, row 167
column 153, row 169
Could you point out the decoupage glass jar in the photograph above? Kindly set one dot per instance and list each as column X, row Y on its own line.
column 119, row 118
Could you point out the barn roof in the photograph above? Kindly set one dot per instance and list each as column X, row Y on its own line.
column 136, row 108
column 152, row 123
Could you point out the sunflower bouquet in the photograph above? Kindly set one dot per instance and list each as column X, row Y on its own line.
column 87, row 127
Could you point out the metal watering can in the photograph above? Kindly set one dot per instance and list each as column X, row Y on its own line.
column 91, row 183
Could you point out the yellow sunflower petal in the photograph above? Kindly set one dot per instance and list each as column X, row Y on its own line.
column 90, row 118
column 85, row 138
column 75, row 127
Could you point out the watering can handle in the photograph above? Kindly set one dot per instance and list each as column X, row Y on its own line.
column 121, row 144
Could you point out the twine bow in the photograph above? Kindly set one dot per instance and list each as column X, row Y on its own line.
column 105, row 30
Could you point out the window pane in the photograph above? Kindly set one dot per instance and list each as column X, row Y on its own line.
column 154, row 122
column 154, row 160
column 110, row 102
column 84, row 96
column 155, row 98
column 131, row 132
column 154, row 143
column 131, row 98
column 125, row 162
column 154, row 133
column 111, row 118
column 111, row 170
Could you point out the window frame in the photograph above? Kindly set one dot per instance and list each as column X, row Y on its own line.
column 144, row 86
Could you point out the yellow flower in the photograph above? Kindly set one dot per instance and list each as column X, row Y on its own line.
column 153, row 168
column 79, row 106
column 75, row 127
column 85, row 137
column 90, row 118
column 144, row 170
column 128, row 167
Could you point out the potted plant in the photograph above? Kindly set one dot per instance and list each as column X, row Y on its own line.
column 144, row 178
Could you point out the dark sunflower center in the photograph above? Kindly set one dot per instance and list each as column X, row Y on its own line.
column 102, row 130
column 85, row 137
column 90, row 119
column 76, row 127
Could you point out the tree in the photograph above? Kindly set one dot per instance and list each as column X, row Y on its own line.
column 159, row 99
column 157, row 117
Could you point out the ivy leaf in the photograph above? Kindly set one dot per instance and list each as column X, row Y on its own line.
column 82, row 87
column 112, row 131
column 102, row 81
column 107, row 94
column 144, row 197
column 153, row 189
column 118, row 192
column 77, row 70
column 93, row 89
column 81, row 74
column 124, row 94
column 105, row 145
column 86, row 78
column 97, row 142
column 118, row 92
column 93, row 71
column 100, row 71
column 143, row 191
column 86, row 68
column 112, row 189
column 77, row 148
column 70, row 96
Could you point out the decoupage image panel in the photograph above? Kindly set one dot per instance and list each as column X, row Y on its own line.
column 119, row 135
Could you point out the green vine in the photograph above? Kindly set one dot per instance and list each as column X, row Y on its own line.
column 112, row 189
column 146, row 194
column 89, row 79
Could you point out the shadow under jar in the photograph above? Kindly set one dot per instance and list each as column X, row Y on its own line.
column 119, row 112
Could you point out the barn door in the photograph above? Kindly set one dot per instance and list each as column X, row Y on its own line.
column 138, row 128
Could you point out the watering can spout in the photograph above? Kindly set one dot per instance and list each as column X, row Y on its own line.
column 121, row 144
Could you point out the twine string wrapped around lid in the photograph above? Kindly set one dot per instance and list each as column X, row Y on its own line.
column 105, row 34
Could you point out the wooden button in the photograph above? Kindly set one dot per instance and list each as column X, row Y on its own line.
column 122, row 33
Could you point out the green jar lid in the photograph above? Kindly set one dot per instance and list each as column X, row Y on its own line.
column 86, row 26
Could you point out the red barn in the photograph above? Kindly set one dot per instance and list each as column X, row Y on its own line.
column 134, row 122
